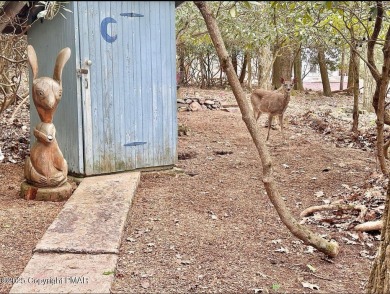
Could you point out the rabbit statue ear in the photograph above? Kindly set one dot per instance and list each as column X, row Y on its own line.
column 33, row 60
column 62, row 58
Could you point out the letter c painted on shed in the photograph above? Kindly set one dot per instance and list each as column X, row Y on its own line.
column 103, row 29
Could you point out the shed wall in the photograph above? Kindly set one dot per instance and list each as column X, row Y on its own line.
column 131, row 115
column 122, row 114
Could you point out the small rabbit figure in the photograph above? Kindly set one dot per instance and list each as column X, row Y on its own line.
column 46, row 166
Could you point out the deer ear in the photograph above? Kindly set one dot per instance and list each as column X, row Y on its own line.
column 61, row 60
column 294, row 80
column 33, row 60
column 282, row 80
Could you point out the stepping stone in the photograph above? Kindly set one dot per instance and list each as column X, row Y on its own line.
column 79, row 251
column 67, row 273
column 94, row 217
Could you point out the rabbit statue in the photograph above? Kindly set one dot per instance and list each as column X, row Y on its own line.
column 46, row 166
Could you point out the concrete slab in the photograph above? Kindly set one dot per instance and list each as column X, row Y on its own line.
column 67, row 273
column 93, row 219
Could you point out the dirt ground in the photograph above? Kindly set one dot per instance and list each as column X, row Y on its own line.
column 208, row 226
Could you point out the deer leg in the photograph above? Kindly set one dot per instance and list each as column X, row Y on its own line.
column 257, row 114
column 269, row 125
column 281, row 124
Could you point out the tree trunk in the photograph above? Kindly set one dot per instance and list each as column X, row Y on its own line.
column 287, row 61
column 182, row 70
column 282, row 65
column 259, row 68
column 264, row 67
column 355, row 112
column 298, row 71
column 243, row 69
column 350, row 74
column 234, row 60
column 379, row 106
column 342, row 69
column 202, row 72
column 276, row 68
column 379, row 280
column 221, row 77
column 368, row 88
column 330, row 248
column 249, row 82
column 324, row 73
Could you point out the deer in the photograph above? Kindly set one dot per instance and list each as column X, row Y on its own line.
column 272, row 102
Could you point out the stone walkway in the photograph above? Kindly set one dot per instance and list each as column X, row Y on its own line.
column 79, row 251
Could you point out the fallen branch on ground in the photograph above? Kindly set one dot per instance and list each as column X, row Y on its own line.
column 342, row 91
column 369, row 226
column 363, row 227
column 338, row 207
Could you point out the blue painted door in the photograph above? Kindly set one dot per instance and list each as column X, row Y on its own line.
column 128, row 86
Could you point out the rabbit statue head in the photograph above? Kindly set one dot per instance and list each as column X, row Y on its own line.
column 47, row 91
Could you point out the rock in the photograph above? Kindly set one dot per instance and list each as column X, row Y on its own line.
column 195, row 106
column 209, row 102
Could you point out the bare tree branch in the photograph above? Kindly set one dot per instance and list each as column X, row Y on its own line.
column 330, row 248
column 10, row 11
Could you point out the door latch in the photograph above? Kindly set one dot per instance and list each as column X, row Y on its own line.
column 81, row 71
column 84, row 71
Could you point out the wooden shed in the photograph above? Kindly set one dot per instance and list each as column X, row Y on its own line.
column 118, row 109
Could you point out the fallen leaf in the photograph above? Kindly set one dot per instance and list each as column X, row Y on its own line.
column 310, row 286
column 312, row 268
column 353, row 236
column 282, row 250
column 346, row 186
column 233, row 11
column 186, row 262
column 349, row 242
column 366, row 254
column 309, row 249
column 145, row 284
